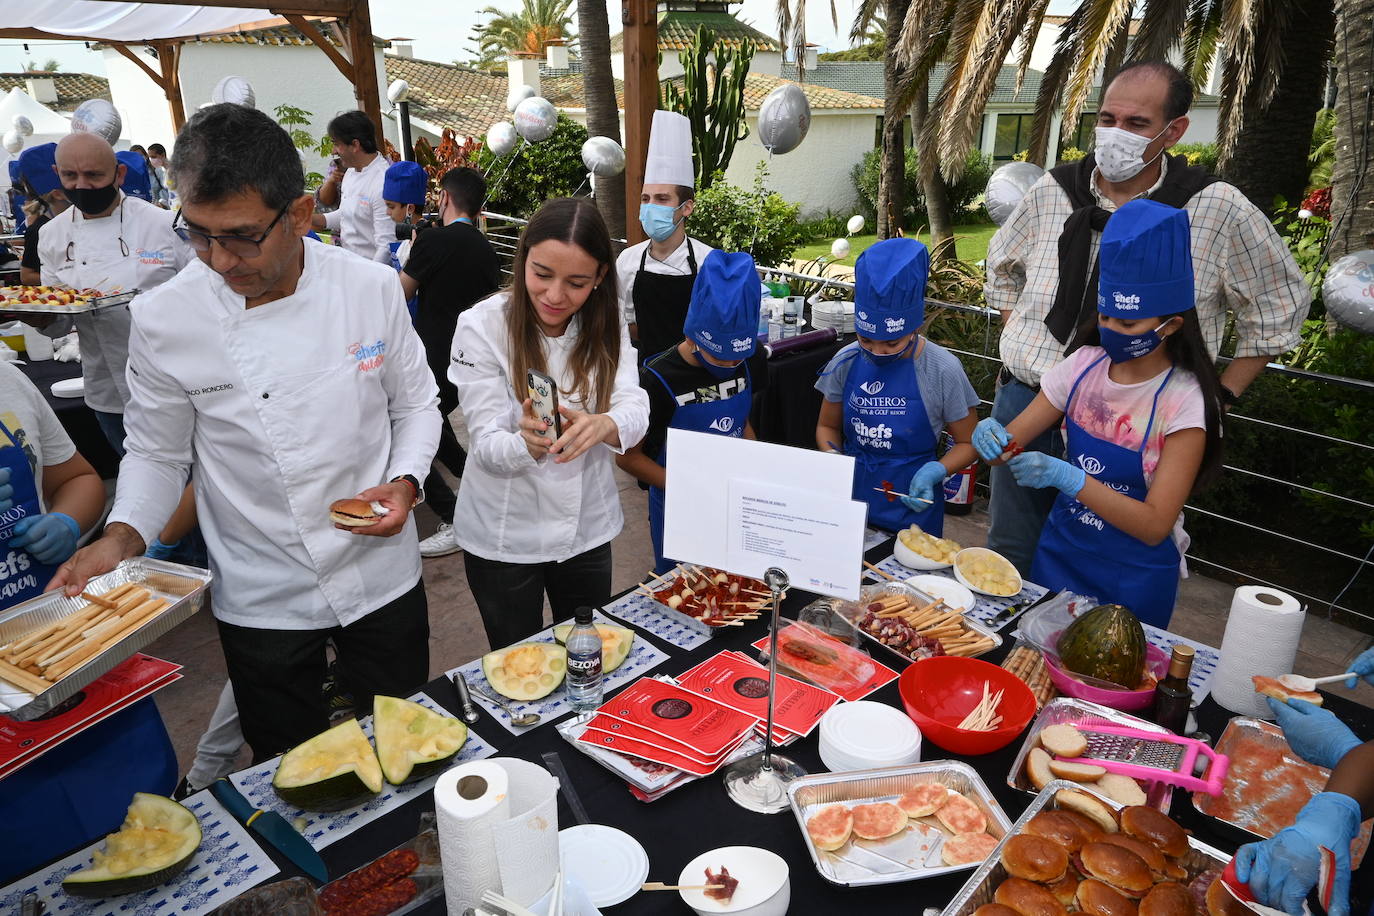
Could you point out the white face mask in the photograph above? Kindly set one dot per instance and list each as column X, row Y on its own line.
column 1118, row 152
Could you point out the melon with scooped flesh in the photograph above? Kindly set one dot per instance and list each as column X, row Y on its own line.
column 526, row 671
column 615, row 643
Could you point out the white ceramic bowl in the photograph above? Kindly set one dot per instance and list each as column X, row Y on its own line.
column 765, row 887
column 970, row 552
column 913, row 560
column 955, row 596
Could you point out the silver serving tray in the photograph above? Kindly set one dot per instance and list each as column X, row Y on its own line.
column 852, row 611
column 1081, row 712
column 909, row 855
column 981, row 885
column 18, row 621
column 90, row 305
column 696, row 624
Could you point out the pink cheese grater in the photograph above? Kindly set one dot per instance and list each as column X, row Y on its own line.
column 1152, row 756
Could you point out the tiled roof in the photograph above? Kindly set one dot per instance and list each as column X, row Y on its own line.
column 280, row 34
column 758, row 85
column 72, row 88
column 676, row 28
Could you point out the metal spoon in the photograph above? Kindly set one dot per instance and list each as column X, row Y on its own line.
column 1304, row 683
column 523, row 720
column 460, row 683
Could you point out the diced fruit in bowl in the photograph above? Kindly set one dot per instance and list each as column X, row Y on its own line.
column 916, row 549
column 987, row 571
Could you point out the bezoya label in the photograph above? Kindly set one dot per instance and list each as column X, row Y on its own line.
column 584, row 666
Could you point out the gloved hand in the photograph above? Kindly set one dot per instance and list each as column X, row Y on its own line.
column 990, row 439
column 50, row 538
column 6, row 491
column 160, row 551
column 1363, row 666
column 1315, row 734
column 1036, row 469
column 929, row 476
column 1281, row 870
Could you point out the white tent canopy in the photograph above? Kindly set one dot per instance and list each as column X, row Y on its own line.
column 133, row 22
column 48, row 125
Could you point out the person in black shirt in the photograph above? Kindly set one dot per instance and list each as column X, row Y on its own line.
column 46, row 200
column 451, row 266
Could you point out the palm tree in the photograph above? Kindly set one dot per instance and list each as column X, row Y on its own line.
column 538, row 24
column 1352, row 211
column 603, row 114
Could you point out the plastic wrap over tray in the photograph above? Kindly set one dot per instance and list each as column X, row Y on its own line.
column 853, row 612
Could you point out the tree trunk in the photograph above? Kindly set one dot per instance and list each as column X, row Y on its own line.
column 892, row 174
column 603, row 114
column 1270, row 155
column 933, row 186
column 1352, row 184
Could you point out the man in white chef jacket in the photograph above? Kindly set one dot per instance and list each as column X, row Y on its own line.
column 361, row 220
column 111, row 242
column 287, row 375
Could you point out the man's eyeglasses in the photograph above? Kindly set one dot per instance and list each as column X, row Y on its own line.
column 240, row 246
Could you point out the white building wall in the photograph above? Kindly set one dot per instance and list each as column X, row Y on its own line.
column 815, row 174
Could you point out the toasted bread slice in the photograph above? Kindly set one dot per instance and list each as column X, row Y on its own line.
column 1078, row 772
column 1063, row 740
column 1038, row 767
column 1122, row 788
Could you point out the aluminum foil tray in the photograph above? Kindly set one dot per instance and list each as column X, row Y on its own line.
column 696, row 624
column 978, row 890
column 912, row 854
column 184, row 586
column 1261, row 757
column 1081, row 712
column 852, row 611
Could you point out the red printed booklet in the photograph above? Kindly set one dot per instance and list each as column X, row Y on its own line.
column 806, row 652
column 740, row 683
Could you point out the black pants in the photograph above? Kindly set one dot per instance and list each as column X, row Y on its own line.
column 277, row 674
column 438, row 494
column 510, row 596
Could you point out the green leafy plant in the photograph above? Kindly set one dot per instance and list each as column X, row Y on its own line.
column 758, row 221
column 711, row 96
column 519, row 183
column 830, row 226
column 1072, row 154
column 291, row 119
column 1306, row 239
column 1322, row 157
column 977, row 170
column 1203, row 154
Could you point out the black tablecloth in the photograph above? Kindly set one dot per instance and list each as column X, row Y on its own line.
column 786, row 411
column 77, row 419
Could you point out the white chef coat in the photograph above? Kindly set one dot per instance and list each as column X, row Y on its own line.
column 361, row 220
column 98, row 261
column 676, row 265
column 281, row 409
column 511, row 507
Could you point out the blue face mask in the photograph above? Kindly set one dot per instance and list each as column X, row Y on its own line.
column 1123, row 348
column 658, row 220
column 886, row 359
column 720, row 373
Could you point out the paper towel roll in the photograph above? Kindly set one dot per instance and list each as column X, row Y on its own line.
column 1262, row 634
column 527, row 843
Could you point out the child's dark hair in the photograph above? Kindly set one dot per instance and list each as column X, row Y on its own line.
column 1186, row 350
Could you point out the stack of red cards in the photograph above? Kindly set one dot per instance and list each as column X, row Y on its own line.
column 735, row 680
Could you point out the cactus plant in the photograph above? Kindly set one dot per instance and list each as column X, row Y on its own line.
column 711, row 95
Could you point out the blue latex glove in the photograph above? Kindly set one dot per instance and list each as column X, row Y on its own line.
column 929, row 476
column 1036, row 469
column 161, row 551
column 50, row 538
column 1314, row 734
column 6, row 491
column 990, row 439
column 1363, row 666
column 1281, row 870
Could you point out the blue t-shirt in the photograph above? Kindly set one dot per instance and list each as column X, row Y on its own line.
column 945, row 388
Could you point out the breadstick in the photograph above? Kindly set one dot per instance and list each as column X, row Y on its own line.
column 86, row 651
column 47, row 650
column 133, row 620
column 22, row 679
column 100, row 600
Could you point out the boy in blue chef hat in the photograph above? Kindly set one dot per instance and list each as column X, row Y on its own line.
column 136, row 183
column 404, row 187
column 889, row 396
column 38, row 175
column 707, row 382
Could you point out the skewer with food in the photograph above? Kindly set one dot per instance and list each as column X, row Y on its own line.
column 713, row 596
column 20, row 296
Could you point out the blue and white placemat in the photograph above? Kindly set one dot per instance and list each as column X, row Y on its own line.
column 227, row 863
column 987, row 607
column 643, row 656
column 322, row 828
column 1205, row 659
column 642, row 611
column 873, row 537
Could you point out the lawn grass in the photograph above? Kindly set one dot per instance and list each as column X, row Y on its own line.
column 971, row 244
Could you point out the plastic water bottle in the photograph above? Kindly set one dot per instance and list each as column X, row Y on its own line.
column 584, row 663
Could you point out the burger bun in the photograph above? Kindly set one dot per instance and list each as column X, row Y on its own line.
column 353, row 513
column 1088, row 806
column 1035, row 858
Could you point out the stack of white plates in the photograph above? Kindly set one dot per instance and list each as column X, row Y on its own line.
column 864, row 735
column 837, row 315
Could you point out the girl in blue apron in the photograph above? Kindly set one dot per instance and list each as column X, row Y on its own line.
column 705, row 376
column 879, row 414
column 404, row 187
column 1111, row 531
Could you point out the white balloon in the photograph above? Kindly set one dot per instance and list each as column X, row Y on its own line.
column 12, row 141
column 23, row 125
column 1007, row 186
column 839, row 249
column 501, row 138
column 1348, row 291
column 236, row 90
column 603, row 157
column 99, row 117
column 784, row 119
column 855, row 224
column 1304, row 213
column 535, row 119
column 518, row 95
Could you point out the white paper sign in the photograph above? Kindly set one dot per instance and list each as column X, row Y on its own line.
column 816, row 540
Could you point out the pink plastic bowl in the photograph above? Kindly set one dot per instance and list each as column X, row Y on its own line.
column 1124, row 700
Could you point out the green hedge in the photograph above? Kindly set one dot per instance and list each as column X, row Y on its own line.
column 977, row 169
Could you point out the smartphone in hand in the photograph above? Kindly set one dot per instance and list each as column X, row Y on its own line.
column 544, row 400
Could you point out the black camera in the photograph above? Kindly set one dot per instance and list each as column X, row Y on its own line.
column 404, row 230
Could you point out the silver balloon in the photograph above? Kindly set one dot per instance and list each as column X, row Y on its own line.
column 98, row 117
column 23, row 125
column 236, row 90
column 1349, row 291
column 1007, row 186
column 855, row 224
column 518, row 95
column 12, row 141
column 501, row 138
column 603, row 157
column 839, row 249
column 535, row 119
column 784, row 119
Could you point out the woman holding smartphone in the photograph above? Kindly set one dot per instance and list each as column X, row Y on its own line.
column 539, row 506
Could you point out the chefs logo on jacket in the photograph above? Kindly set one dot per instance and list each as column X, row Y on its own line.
column 368, row 356
column 151, row 256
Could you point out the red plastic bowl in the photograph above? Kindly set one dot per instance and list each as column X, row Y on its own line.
column 939, row 692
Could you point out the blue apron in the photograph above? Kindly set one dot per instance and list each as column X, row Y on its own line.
column 887, row 430
column 1080, row 551
column 723, row 417
column 413, row 303
column 21, row 576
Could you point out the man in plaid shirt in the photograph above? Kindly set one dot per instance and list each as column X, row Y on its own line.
column 1242, row 269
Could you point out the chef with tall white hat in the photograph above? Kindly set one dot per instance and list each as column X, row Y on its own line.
column 656, row 275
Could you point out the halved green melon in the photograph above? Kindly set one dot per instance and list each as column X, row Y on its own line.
column 412, row 741
column 156, row 841
column 526, row 671
column 332, row 771
column 615, row 643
